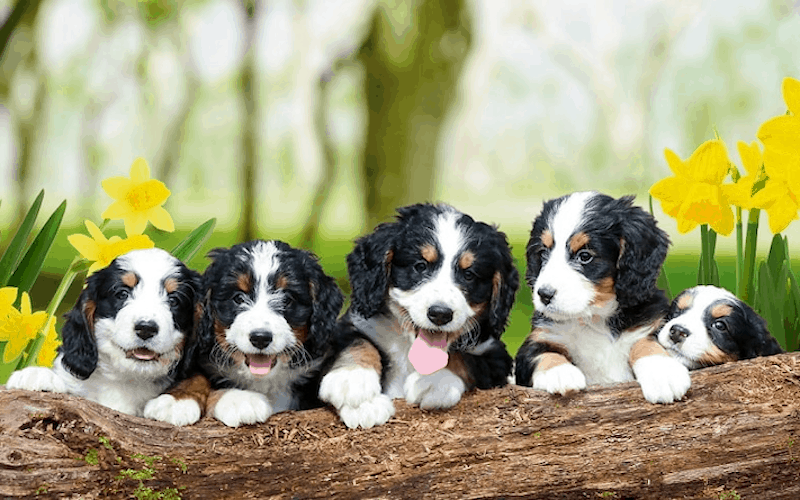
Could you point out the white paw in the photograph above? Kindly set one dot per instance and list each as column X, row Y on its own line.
column 441, row 389
column 36, row 378
column 173, row 411
column 663, row 379
column 560, row 379
column 350, row 386
column 375, row 411
column 237, row 407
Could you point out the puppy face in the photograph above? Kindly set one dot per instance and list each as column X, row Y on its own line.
column 590, row 254
column 438, row 271
column 266, row 303
column 133, row 317
column 708, row 326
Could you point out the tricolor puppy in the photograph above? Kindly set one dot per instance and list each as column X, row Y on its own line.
column 593, row 262
column 709, row 326
column 125, row 339
column 431, row 296
column 269, row 315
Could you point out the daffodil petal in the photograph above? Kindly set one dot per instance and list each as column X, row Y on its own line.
column 8, row 295
column 709, row 162
column 677, row 165
column 751, row 156
column 116, row 187
column 669, row 192
column 161, row 219
column 781, row 214
column 95, row 231
column 741, row 193
column 140, row 171
column 791, row 95
column 85, row 246
column 117, row 210
column 781, row 133
column 686, row 226
column 135, row 224
column 724, row 223
column 25, row 304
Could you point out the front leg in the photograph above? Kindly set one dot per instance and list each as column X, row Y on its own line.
column 546, row 366
column 663, row 379
column 441, row 389
column 37, row 378
column 181, row 405
column 235, row 407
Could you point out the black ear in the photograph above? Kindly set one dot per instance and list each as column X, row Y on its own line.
column 368, row 267
column 193, row 286
column 504, row 287
column 327, row 300
column 205, row 324
column 643, row 248
column 79, row 346
column 759, row 341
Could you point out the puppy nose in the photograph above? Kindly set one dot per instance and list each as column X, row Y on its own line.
column 440, row 315
column 260, row 338
column 546, row 294
column 678, row 334
column 145, row 329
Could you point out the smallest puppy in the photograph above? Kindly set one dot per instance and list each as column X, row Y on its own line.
column 708, row 325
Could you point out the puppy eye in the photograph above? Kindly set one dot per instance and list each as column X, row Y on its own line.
column 421, row 266
column 123, row 294
column 720, row 325
column 173, row 301
column 584, row 256
column 239, row 297
column 469, row 275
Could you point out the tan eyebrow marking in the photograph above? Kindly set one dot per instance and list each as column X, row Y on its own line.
column 685, row 301
column 578, row 241
column 721, row 310
column 130, row 279
column 282, row 281
column 466, row 260
column 429, row 253
column 547, row 238
column 244, row 282
column 171, row 284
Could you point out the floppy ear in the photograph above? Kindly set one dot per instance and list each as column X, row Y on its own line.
column 193, row 284
column 79, row 346
column 761, row 342
column 327, row 300
column 204, row 330
column 368, row 267
column 643, row 248
column 504, row 287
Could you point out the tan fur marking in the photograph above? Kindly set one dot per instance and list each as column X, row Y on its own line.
column 685, row 301
column 244, row 282
column 645, row 347
column 466, row 260
column 715, row 356
column 721, row 310
column 196, row 388
column 553, row 347
column 604, row 292
column 578, row 241
column 283, row 282
column 550, row 360
column 547, row 238
column 219, row 332
column 213, row 399
column 130, row 279
column 88, row 312
column 429, row 253
column 457, row 365
column 497, row 283
column 365, row 355
column 301, row 333
column 478, row 308
column 171, row 284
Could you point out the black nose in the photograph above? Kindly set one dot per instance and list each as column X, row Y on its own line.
column 678, row 334
column 546, row 294
column 440, row 315
column 260, row 338
column 146, row 329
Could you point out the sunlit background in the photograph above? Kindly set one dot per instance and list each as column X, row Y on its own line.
column 310, row 121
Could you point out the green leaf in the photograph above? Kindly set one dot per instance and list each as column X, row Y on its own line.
column 777, row 255
column 187, row 248
column 30, row 266
column 663, row 283
column 13, row 253
column 770, row 302
column 6, row 369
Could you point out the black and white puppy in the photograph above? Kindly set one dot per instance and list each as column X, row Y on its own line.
column 128, row 337
column 431, row 295
column 593, row 262
column 268, row 318
column 709, row 326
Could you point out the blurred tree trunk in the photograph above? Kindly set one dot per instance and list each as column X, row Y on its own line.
column 413, row 58
column 247, row 219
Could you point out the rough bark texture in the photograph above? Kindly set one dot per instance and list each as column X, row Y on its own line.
column 737, row 435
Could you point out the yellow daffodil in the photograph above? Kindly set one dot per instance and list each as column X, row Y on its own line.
column 694, row 194
column 49, row 349
column 8, row 295
column 741, row 193
column 101, row 251
column 139, row 199
column 25, row 324
column 781, row 138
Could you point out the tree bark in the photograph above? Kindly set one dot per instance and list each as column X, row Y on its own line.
column 734, row 436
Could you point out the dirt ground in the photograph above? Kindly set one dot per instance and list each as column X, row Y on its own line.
column 736, row 436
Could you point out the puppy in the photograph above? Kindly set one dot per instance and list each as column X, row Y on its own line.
column 431, row 294
column 268, row 318
column 593, row 262
column 709, row 326
column 129, row 336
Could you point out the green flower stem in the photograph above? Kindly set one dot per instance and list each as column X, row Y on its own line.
column 746, row 290
column 705, row 258
column 739, row 249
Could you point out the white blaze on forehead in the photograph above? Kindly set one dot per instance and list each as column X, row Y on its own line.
column 265, row 262
column 450, row 237
column 152, row 266
column 568, row 217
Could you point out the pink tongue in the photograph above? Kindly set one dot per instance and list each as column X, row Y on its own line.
column 143, row 354
column 262, row 366
column 428, row 356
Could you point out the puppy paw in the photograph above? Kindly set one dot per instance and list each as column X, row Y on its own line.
column 663, row 379
column 237, row 407
column 173, row 411
column 440, row 389
column 351, row 386
column 36, row 378
column 560, row 379
column 375, row 411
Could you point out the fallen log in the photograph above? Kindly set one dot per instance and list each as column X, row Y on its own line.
column 737, row 435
